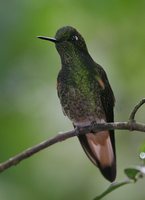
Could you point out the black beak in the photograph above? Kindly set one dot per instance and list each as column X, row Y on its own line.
column 47, row 38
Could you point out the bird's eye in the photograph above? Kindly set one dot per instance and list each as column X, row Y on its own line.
column 75, row 38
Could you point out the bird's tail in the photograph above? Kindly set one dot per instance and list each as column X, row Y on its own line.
column 100, row 148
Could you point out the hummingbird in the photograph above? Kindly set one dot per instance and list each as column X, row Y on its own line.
column 86, row 97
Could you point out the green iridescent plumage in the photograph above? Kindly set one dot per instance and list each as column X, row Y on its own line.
column 86, row 97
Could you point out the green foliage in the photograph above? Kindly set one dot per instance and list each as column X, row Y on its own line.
column 111, row 188
column 133, row 174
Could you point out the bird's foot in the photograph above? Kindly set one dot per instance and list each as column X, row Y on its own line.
column 93, row 124
column 79, row 129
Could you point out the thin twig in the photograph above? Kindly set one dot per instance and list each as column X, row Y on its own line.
column 131, row 125
column 63, row 136
column 132, row 115
column 33, row 150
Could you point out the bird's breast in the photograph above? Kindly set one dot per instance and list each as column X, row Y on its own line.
column 78, row 103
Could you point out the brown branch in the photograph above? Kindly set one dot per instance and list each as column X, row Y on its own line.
column 132, row 115
column 131, row 125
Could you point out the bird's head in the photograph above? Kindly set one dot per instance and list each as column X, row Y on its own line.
column 67, row 39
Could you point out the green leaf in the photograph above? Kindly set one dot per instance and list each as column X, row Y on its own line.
column 132, row 173
column 135, row 173
column 111, row 188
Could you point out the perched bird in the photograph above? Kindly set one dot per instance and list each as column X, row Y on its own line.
column 86, row 97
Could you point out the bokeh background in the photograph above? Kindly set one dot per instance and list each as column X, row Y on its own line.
column 29, row 107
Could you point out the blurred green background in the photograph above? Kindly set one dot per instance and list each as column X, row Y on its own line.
column 29, row 107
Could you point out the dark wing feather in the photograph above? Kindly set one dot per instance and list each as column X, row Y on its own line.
column 108, row 101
